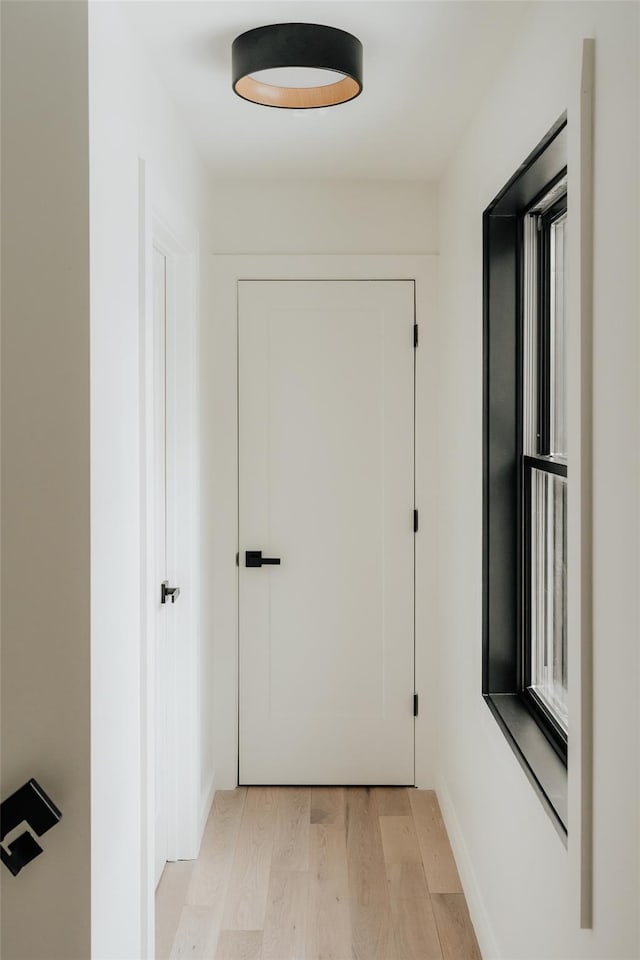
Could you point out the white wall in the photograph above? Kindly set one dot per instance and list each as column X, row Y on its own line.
column 131, row 118
column 324, row 216
column 45, row 466
column 521, row 881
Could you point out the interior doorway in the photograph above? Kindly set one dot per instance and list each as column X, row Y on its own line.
column 326, row 532
column 175, row 797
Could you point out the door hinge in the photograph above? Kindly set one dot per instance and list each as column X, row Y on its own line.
column 415, row 334
column 415, row 704
column 415, row 521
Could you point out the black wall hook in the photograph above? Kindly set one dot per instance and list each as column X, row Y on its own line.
column 29, row 805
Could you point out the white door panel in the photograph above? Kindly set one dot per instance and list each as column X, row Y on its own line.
column 326, row 483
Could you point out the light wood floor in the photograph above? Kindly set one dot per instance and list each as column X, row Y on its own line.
column 289, row 873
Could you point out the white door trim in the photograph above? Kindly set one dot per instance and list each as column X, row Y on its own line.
column 162, row 225
column 219, row 380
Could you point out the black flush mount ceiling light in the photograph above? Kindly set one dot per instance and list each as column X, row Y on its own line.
column 297, row 66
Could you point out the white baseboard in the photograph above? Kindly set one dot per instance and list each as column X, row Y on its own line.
column 479, row 917
column 205, row 805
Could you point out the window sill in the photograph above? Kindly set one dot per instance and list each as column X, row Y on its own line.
column 536, row 756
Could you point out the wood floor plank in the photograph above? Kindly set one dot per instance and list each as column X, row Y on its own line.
column 327, row 851
column 212, row 870
column 372, row 935
column 362, row 825
column 246, row 898
column 399, row 840
column 328, row 918
column 291, row 841
column 285, row 922
column 369, row 905
column 327, row 805
column 457, row 936
column 392, row 801
column 196, row 935
column 415, row 931
column 170, row 899
column 407, row 881
column 439, row 865
column 239, row 945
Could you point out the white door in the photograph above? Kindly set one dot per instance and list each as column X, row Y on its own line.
column 160, row 553
column 326, row 485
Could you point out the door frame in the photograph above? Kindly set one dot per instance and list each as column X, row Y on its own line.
column 162, row 225
column 220, row 381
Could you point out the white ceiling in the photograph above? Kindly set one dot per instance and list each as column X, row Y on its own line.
column 426, row 67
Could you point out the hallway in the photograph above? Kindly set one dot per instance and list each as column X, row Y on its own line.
column 333, row 873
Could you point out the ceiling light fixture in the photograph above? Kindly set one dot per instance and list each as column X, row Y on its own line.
column 297, row 66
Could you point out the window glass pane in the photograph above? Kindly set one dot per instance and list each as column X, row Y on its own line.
column 558, row 397
column 548, row 592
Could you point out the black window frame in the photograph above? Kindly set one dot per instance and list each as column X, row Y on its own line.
column 543, row 459
column 537, row 740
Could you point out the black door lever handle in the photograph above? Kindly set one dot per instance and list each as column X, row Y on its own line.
column 254, row 558
column 30, row 805
column 168, row 593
